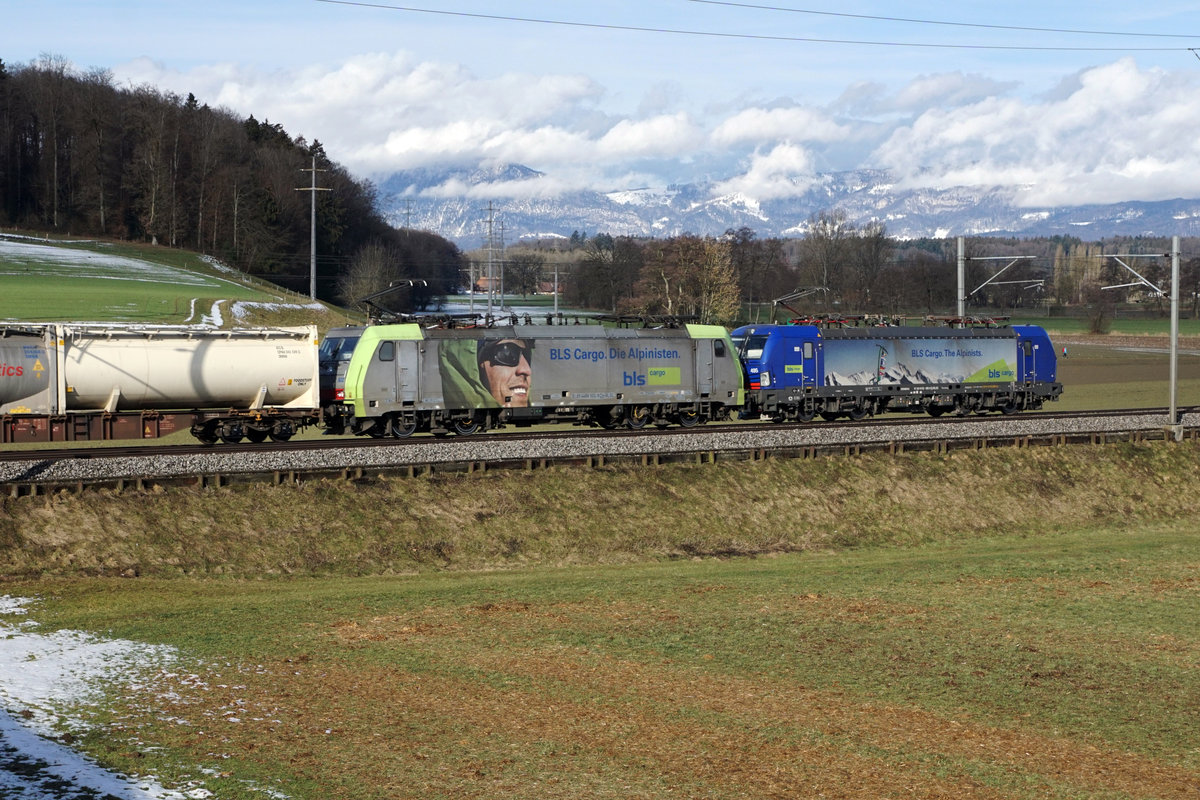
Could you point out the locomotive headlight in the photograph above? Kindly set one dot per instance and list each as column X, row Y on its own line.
column 765, row 378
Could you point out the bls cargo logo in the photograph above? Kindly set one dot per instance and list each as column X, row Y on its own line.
column 654, row 376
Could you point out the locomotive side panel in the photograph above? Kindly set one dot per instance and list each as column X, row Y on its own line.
column 528, row 367
column 894, row 360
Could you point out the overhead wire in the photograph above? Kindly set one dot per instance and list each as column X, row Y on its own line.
column 750, row 36
column 1022, row 28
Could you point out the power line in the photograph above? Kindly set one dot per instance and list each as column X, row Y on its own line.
column 752, row 36
column 1025, row 28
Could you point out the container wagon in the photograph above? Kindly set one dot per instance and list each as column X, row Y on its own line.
column 68, row 382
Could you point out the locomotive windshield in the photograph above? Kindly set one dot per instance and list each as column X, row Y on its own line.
column 752, row 346
column 338, row 348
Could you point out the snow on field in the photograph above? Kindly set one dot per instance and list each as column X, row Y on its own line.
column 26, row 256
column 41, row 676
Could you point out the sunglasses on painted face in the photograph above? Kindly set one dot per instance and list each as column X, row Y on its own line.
column 506, row 354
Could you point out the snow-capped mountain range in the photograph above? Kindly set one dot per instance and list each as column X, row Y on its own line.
column 454, row 203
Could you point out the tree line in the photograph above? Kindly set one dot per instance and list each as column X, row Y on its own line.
column 79, row 155
column 840, row 267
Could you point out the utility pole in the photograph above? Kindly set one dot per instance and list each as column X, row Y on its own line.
column 312, row 250
column 491, row 259
column 1173, row 423
column 962, row 279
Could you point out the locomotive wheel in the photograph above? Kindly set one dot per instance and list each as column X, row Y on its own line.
column 829, row 416
column 804, row 415
column 857, row 413
column 402, row 429
column 638, row 417
column 467, row 427
column 935, row 411
column 1008, row 408
column 689, row 418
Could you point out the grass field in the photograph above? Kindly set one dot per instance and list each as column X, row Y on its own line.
column 1054, row 665
column 1003, row 623
column 104, row 282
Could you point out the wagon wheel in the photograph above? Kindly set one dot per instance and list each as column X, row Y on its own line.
column 232, row 433
column 935, row 411
column 282, row 431
column 257, row 435
column 638, row 417
column 206, row 436
column 689, row 418
column 403, row 428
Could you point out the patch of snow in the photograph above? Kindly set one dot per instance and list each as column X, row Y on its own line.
column 242, row 307
column 41, row 675
column 214, row 317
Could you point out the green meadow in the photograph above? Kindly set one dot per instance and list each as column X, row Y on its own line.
column 98, row 282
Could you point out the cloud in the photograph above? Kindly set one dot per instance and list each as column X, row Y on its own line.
column 783, row 172
column 794, row 124
column 1114, row 132
column 1108, row 133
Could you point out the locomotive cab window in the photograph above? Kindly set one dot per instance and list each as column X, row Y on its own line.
column 1028, row 347
column 719, row 348
column 808, row 349
column 387, row 351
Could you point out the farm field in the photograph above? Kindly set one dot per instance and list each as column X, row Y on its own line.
column 1057, row 664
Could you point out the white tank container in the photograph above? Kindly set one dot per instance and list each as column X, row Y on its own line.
column 136, row 367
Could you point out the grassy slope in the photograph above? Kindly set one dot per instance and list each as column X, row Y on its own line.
column 106, row 282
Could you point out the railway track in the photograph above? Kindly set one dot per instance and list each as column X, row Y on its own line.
column 76, row 469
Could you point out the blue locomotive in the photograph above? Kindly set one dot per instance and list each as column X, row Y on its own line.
column 798, row 372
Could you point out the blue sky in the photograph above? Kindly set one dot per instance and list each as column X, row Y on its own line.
column 757, row 97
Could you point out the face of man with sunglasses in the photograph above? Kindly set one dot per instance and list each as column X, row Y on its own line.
column 504, row 367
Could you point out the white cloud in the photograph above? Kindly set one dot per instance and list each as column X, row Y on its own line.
column 1108, row 133
column 1116, row 133
column 784, row 171
column 668, row 135
column 795, row 124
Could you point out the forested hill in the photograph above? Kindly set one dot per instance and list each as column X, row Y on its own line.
column 81, row 156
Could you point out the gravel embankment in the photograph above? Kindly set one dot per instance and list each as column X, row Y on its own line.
column 496, row 448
